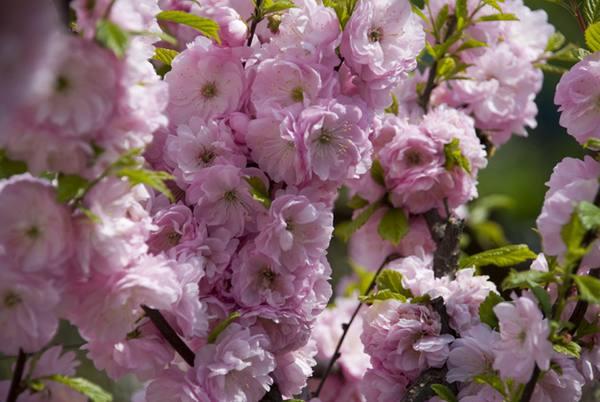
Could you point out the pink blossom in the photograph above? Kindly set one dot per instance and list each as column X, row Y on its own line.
column 175, row 225
column 175, row 385
column 232, row 28
column 381, row 386
column 404, row 338
column 36, row 233
column 471, row 354
column 559, row 385
column 236, row 368
column 205, row 81
column 577, row 95
column 523, row 339
column 28, row 312
column 293, row 369
column 286, row 330
column 296, row 230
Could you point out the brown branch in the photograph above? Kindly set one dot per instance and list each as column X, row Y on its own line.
column 256, row 17
column 420, row 390
column 170, row 335
column 15, row 384
column 530, row 387
column 446, row 234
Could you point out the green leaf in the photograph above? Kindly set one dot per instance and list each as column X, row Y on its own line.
column 494, row 4
column 587, row 328
column 570, row 53
column 591, row 11
column 275, row 6
column 10, row 167
column 441, row 18
column 221, row 326
column 550, row 68
column 377, row 173
column 543, row 298
column 345, row 230
column 92, row 391
column 498, row 17
column 385, row 294
column 205, row 26
column 525, row 279
column 593, row 144
column 259, row 191
column 150, row 178
column 506, row 256
column 592, row 37
column 362, row 282
column 589, row 288
column 357, row 202
column 393, row 108
column 165, row 56
column 391, row 280
column 112, row 37
column 486, row 309
column 572, row 234
column 444, row 392
column 555, row 42
column 471, row 44
column 491, row 379
column 589, row 215
column 343, row 9
column 461, row 9
column 571, row 349
column 70, row 186
column 489, row 234
column 393, row 226
column 444, row 68
column 455, row 157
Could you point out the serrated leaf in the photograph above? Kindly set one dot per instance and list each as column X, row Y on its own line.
column 591, row 11
column 391, row 280
column 555, row 42
column 357, row 202
column 165, row 56
column 382, row 295
column 259, row 191
column 10, row 167
column 150, row 178
column 377, row 173
column 70, row 186
column 393, row 108
column 588, row 287
column 221, row 326
column 592, row 37
column 543, row 298
column 506, row 256
column 112, row 37
column 525, row 279
column 275, row 6
column 444, row 392
column 498, row 17
column 205, row 26
column 94, row 392
column 571, row 349
column 486, row 309
column 393, row 226
column 454, row 156
column 589, row 215
column 570, row 53
column 345, row 230
column 593, row 144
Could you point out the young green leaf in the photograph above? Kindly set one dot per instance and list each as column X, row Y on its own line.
column 275, row 6
column 221, row 326
column 573, row 233
column 441, row 19
column 525, row 279
column 498, row 17
column 591, row 11
column 592, row 37
column 205, row 26
column 461, row 9
column 357, row 202
column 377, row 173
column 455, row 157
column 345, row 230
column 494, row 4
column 555, row 42
column 543, row 298
column 493, row 380
column 165, row 56
column 506, row 256
column 393, row 108
column 9, row 167
column 92, row 391
column 151, row 178
column 486, row 309
column 112, row 37
column 259, row 191
column 385, row 294
column 571, row 349
column 470, row 44
column 593, row 144
column 444, row 392
column 393, row 226
column 588, row 287
column 589, row 215
column 391, row 280
column 70, row 186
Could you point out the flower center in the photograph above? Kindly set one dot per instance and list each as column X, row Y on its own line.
column 209, row 90
column 268, row 276
column 12, row 299
column 412, row 158
column 207, row 156
column 173, row 238
column 61, row 84
column 33, row 232
column 375, row 35
column 230, row 196
column 297, row 94
column 325, row 137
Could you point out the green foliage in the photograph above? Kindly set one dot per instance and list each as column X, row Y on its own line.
column 205, row 26
column 572, row 234
column 588, row 287
column 275, row 6
column 165, row 56
column 343, row 9
column 221, row 326
column 486, row 309
column 444, row 392
column 470, row 44
column 391, row 280
column 498, row 17
column 455, row 157
column 393, row 226
column 526, row 279
column 259, row 191
column 362, row 282
column 393, row 108
column 592, row 37
column 9, row 167
column 150, row 178
column 506, row 256
column 112, row 37
column 555, row 42
column 491, row 379
column 381, row 295
column 543, row 298
column 589, row 215
column 593, row 144
column 357, row 202
column 70, row 186
column 377, row 173
column 92, row 391
column 346, row 229
column 461, row 9
column 591, row 11
column 571, row 349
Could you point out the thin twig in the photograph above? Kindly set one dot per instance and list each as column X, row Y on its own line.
column 15, row 384
column 170, row 335
column 346, row 327
column 530, row 387
column 256, row 17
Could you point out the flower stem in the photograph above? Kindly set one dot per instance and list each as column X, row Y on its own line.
column 15, row 384
column 256, row 18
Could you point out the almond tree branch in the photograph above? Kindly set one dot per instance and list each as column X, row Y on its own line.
column 15, row 384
